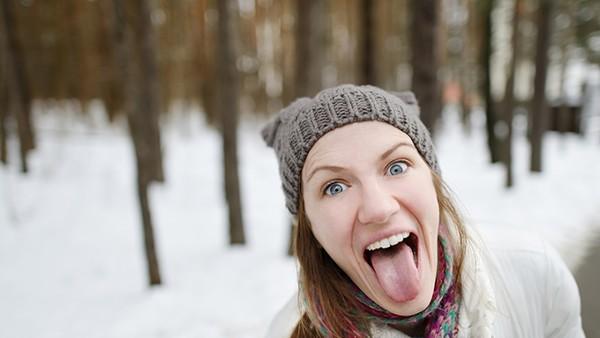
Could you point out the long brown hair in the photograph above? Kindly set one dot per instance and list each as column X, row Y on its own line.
column 326, row 291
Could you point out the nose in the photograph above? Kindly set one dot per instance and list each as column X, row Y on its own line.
column 377, row 204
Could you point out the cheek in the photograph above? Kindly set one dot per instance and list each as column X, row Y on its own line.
column 332, row 227
column 421, row 198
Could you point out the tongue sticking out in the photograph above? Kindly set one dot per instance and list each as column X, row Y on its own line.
column 396, row 272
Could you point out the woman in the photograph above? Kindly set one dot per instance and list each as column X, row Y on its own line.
column 382, row 250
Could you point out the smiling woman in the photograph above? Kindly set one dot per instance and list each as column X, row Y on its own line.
column 382, row 250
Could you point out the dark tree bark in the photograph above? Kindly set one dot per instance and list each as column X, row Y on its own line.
column 486, row 57
column 508, row 104
column 310, row 46
column 424, row 59
column 3, row 114
column 132, row 32
column 19, row 96
column 208, row 59
column 147, row 87
column 228, row 111
column 368, row 74
column 539, row 108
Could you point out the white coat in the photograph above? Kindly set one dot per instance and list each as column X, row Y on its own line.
column 514, row 286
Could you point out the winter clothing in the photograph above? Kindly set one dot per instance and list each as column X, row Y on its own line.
column 297, row 128
column 513, row 286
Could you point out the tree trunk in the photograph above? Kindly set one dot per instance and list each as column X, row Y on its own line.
column 563, row 113
column 19, row 96
column 508, row 104
column 486, row 57
column 368, row 47
column 3, row 113
column 310, row 52
column 539, row 107
column 208, row 59
column 310, row 56
column 148, row 96
column 228, row 111
column 142, row 114
column 424, row 59
column 148, row 228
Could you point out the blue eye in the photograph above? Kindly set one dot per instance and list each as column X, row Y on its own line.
column 335, row 188
column 397, row 168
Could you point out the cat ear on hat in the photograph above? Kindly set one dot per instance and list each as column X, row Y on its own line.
column 408, row 97
column 269, row 132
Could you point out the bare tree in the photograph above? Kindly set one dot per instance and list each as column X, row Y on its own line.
column 310, row 46
column 228, row 112
column 487, row 6
column 136, row 58
column 508, row 104
column 368, row 74
column 207, row 59
column 424, row 59
column 3, row 114
column 15, row 77
column 310, row 56
column 539, row 109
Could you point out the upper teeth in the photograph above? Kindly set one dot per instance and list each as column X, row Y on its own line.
column 389, row 241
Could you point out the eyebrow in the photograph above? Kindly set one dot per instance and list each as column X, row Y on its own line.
column 383, row 156
column 394, row 147
column 332, row 168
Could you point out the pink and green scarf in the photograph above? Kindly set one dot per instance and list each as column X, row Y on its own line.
column 440, row 318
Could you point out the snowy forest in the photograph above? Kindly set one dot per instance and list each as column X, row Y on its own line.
column 137, row 198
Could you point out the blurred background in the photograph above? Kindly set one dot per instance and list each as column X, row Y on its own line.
column 137, row 198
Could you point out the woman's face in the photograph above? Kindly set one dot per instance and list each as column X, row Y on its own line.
column 371, row 202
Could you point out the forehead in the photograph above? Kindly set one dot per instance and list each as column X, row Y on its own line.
column 359, row 140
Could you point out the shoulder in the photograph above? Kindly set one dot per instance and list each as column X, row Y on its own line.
column 518, row 253
column 532, row 280
column 286, row 319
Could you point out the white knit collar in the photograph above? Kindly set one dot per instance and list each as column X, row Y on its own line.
column 478, row 307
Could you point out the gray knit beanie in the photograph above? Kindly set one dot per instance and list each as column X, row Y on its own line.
column 296, row 128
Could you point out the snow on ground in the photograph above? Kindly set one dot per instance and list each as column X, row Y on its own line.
column 561, row 204
column 71, row 251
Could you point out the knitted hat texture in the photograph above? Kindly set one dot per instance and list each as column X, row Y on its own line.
column 296, row 128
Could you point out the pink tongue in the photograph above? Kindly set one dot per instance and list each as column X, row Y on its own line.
column 397, row 273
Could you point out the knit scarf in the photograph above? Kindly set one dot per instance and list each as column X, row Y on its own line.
column 440, row 318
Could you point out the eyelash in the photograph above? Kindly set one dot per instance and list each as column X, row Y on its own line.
column 398, row 161
column 387, row 167
column 329, row 184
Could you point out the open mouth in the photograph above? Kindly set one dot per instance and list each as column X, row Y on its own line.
column 390, row 245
